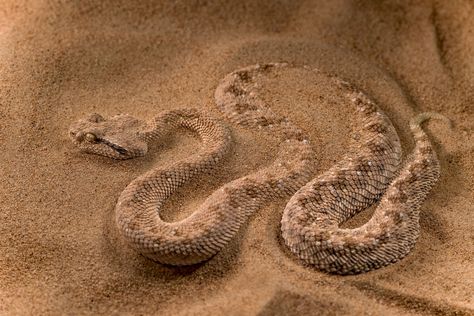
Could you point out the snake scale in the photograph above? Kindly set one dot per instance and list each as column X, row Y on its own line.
column 371, row 171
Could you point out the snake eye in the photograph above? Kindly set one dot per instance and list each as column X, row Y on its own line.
column 91, row 137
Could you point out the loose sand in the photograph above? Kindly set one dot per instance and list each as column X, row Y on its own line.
column 60, row 253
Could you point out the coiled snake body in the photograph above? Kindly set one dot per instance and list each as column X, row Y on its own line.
column 310, row 220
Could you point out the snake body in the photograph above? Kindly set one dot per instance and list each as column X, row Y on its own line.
column 310, row 220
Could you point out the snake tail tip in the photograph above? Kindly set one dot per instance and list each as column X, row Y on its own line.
column 416, row 121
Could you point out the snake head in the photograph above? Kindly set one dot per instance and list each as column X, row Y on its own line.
column 117, row 137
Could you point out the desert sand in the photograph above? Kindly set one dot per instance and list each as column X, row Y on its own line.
column 60, row 60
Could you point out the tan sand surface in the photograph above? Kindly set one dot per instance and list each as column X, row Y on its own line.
column 59, row 60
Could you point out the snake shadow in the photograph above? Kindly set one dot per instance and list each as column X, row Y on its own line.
column 137, row 266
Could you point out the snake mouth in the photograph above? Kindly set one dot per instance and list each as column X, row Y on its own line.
column 99, row 145
column 119, row 149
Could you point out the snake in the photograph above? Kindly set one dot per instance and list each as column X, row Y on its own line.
column 370, row 172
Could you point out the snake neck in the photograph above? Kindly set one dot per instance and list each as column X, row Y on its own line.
column 212, row 133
